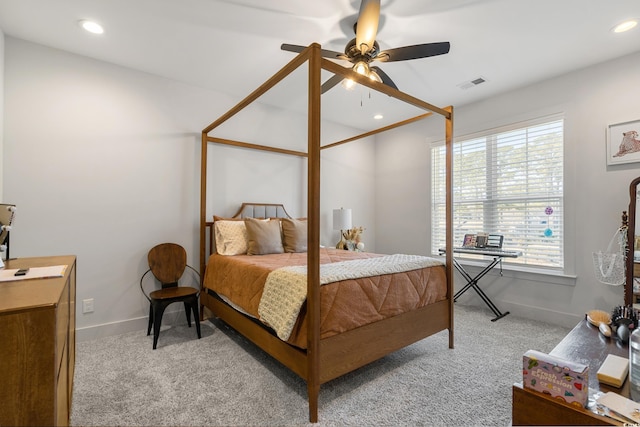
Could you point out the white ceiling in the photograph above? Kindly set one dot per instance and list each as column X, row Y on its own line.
column 232, row 46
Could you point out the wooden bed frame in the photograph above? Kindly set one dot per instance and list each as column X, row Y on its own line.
column 329, row 358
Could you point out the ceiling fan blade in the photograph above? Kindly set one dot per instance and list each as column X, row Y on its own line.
column 331, row 54
column 333, row 81
column 413, row 52
column 292, row 47
column 385, row 78
column 367, row 26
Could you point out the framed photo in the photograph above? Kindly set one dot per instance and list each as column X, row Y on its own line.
column 623, row 143
column 469, row 240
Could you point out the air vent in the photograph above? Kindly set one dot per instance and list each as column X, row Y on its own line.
column 472, row 83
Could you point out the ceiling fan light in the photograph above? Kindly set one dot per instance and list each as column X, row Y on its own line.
column 348, row 84
column 362, row 68
column 374, row 76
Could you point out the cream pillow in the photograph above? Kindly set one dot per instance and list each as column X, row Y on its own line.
column 294, row 235
column 264, row 237
column 231, row 237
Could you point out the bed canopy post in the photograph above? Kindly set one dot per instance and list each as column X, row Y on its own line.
column 313, row 232
column 449, row 214
column 203, row 210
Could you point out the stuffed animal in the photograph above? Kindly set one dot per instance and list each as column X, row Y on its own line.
column 354, row 234
column 351, row 239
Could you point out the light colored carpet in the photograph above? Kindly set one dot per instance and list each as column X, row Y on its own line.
column 224, row 380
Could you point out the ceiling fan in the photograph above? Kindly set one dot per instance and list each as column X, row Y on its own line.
column 364, row 48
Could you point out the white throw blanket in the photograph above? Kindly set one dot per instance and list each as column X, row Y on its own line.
column 286, row 288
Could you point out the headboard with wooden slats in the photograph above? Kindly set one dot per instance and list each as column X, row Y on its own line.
column 261, row 210
column 251, row 210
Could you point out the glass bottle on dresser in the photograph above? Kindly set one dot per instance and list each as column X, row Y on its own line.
column 634, row 359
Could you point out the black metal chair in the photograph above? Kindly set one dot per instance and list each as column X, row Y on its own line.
column 167, row 263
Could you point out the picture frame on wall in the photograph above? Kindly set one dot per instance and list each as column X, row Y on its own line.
column 623, row 143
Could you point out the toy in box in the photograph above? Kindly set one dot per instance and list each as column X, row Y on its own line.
column 562, row 379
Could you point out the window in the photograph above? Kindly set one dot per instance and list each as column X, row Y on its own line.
column 509, row 182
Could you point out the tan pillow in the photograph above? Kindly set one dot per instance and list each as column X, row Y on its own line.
column 263, row 237
column 294, row 235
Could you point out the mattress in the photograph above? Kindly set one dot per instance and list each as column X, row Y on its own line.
column 344, row 304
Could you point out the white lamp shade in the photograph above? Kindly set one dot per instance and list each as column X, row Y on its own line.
column 341, row 219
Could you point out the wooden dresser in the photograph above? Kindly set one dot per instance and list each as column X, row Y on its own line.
column 37, row 345
column 583, row 344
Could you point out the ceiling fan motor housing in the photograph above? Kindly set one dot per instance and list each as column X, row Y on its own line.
column 354, row 53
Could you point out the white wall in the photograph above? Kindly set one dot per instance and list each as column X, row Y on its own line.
column 403, row 177
column 595, row 195
column 104, row 162
column 348, row 173
column 101, row 163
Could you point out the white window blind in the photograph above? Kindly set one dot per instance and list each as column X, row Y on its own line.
column 508, row 182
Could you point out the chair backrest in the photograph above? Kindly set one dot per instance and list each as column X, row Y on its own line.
column 167, row 262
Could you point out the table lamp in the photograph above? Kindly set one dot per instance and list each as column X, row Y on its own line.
column 342, row 222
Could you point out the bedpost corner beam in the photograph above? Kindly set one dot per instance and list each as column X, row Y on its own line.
column 313, row 232
column 203, row 207
column 449, row 214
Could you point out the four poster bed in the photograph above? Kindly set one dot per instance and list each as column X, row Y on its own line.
column 313, row 344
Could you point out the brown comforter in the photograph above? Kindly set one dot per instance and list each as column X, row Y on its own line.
column 344, row 305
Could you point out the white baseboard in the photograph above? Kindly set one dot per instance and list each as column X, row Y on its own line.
column 538, row 314
column 123, row 326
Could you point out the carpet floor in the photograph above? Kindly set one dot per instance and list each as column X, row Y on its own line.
column 224, row 380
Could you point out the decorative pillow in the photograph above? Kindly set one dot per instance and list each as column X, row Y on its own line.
column 294, row 235
column 264, row 237
column 221, row 218
column 231, row 237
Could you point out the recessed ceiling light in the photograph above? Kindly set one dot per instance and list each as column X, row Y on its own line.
column 378, row 116
column 92, row 27
column 625, row 26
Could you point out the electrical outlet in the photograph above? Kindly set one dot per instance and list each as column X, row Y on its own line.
column 87, row 305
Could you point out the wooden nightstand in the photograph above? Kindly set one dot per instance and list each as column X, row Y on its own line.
column 37, row 345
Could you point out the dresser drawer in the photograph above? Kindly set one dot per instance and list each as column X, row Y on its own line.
column 62, row 392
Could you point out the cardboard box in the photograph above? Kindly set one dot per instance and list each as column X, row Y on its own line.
column 562, row 379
